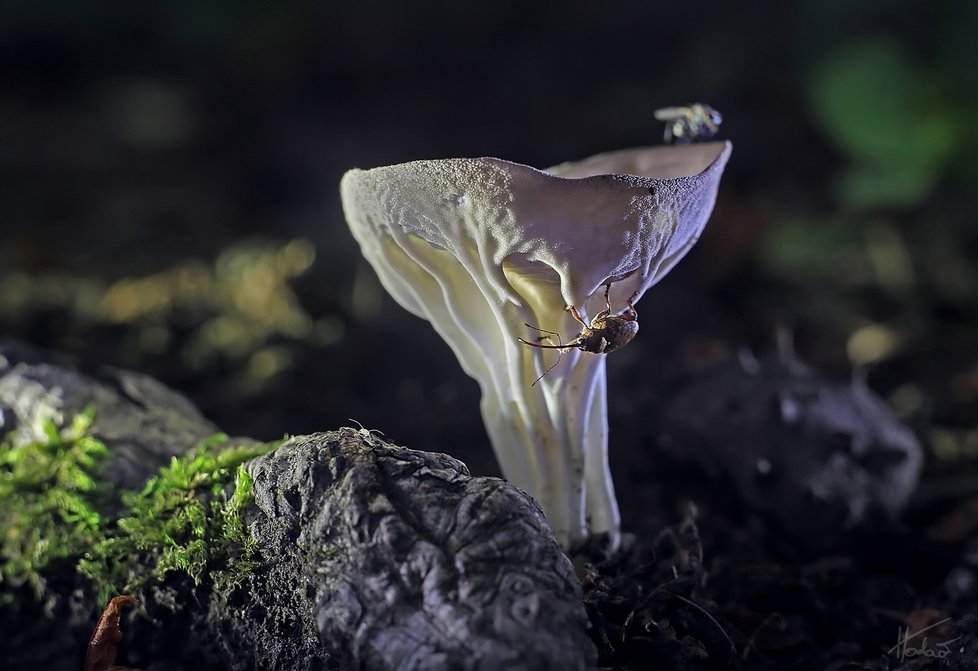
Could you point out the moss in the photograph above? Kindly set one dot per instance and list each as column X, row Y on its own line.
column 187, row 518
column 49, row 493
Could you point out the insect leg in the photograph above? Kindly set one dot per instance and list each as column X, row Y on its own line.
column 630, row 310
column 577, row 315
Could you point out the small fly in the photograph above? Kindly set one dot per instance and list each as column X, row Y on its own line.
column 693, row 123
column 606, row 332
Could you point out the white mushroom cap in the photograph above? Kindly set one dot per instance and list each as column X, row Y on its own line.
column 481, row 247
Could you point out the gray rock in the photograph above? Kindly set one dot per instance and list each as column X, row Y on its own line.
column 373, row 556
column 144, row 422
column 397, row 559
column 817, row 455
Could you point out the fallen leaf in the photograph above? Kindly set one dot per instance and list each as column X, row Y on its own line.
column 104, row 645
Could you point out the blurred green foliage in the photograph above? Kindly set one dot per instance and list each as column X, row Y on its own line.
column 894, row 119
column 819, row 246
column 903, row 125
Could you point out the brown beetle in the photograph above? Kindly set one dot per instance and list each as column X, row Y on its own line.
column 606, row 332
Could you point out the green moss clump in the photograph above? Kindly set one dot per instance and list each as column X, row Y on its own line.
column 185, row 519
column 49, row 498
column 188, row 518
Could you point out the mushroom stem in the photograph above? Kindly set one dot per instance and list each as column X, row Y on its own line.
column 560, row 423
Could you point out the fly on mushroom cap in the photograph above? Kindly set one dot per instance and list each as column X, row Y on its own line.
column 481, row 247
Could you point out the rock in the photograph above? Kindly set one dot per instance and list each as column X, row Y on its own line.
column 143, row 421
column 373, row 556
column 819, row 456
column 398, row 559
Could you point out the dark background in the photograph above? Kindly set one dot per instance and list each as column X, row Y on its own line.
column 169, row 203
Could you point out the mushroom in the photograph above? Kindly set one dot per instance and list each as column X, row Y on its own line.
column 483, row 247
